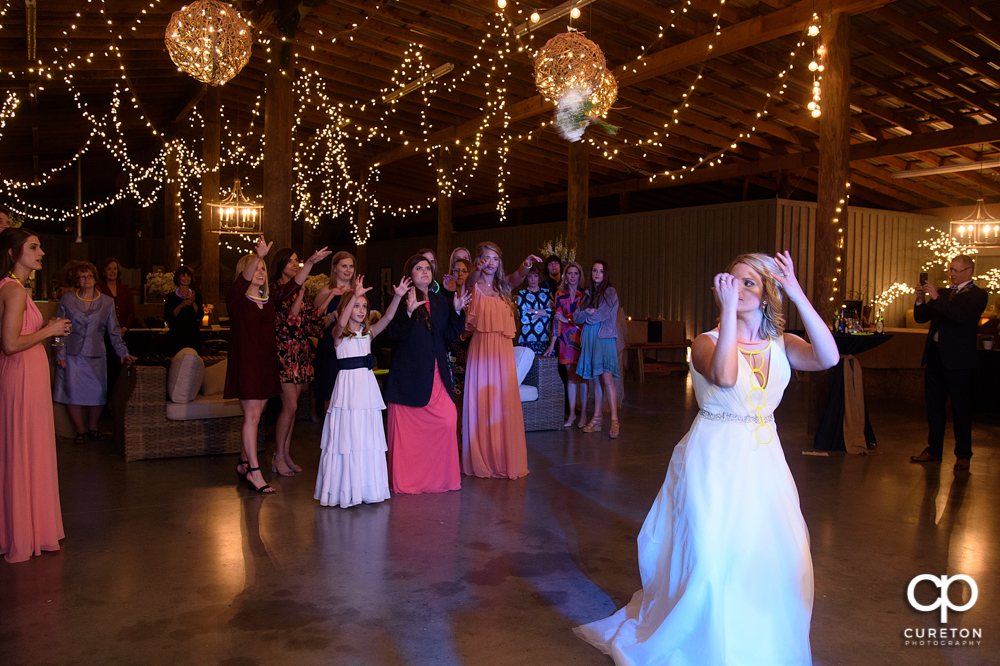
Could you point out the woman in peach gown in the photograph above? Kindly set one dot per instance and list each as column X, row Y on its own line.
column 30, row 516
column 493, row 444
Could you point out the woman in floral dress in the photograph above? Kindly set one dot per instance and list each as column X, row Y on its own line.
column 534, row 311
column 297, row 320
column 567, row 335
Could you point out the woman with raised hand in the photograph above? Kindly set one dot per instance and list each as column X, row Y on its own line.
column 30, row 515
column 423, row 446
column 327, row 301
column 493, row 443
column 296, row 320
column 252, row 374
column 724, row 552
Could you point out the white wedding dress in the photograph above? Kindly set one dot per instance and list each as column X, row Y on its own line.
column 724, row 557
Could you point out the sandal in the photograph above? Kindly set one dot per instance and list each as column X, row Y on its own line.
column 274, row 467
column 97, row 435
column 264, row 489
column 81, row 438
column 595, row 424
column 292, row 466
column 614, row 429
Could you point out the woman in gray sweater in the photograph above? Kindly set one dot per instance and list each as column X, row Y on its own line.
column 599, row 353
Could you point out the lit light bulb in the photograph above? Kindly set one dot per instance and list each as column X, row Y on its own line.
column 501, row 3
column 816, row 113
column 813, row 66
column 575, row 12
column 813, row 30
column 535, row 17
column 811, row 105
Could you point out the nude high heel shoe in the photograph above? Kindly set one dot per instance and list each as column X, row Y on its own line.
column 595, row 424
column 614, row 429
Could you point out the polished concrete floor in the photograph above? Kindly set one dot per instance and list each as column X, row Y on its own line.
column 170, row 561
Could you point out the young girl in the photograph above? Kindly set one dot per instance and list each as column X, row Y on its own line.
column 352, row 467
column 568, row 299
column 598, row 346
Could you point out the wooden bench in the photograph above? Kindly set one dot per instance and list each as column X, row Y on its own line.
column 673, row 337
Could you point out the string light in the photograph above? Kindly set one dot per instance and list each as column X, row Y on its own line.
column 883, row 300
column 841, row 206
column 944, row 247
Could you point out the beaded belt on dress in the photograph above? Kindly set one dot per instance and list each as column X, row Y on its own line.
column 733, row 418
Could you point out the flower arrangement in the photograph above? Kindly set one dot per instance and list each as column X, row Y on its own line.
column 159, row 285
column 316, row 282
column 559, row 248
column 15, row 220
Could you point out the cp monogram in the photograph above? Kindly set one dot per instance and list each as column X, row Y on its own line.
column 944, row 582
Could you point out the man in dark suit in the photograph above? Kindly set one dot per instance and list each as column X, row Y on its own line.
column 950, row 357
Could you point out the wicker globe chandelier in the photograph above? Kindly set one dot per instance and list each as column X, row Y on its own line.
column 570, row 61
column 209, row 40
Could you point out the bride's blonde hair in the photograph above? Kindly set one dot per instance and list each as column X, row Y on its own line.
column 772, row 323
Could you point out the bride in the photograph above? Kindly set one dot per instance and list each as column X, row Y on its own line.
column 724, row 553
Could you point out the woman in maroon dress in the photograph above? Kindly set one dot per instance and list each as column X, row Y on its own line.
column 252, row 372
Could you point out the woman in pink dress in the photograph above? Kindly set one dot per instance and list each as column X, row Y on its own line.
column 493, row 444
column 571, row 293
column 30, row 516
column 423, row 446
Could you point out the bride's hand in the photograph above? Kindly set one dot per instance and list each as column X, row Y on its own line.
column 727, row 291
column 786, row 278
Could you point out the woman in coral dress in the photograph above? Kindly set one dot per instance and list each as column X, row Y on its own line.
column 724, row 553
column 493, row 444
column 30, row 515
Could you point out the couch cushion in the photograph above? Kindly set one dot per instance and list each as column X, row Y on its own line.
column 528, row 392
column 204, row 407
column 523, row 358
column 213, row 381
column 184, row 378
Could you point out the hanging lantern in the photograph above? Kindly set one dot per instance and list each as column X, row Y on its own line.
column 237, row 214
column 568, row 61
column 980, row 229
column 209, row 40
column 571, row 72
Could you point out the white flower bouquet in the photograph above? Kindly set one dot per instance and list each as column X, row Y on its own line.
column 316, row 282
column 575, row 111
column 158, row 285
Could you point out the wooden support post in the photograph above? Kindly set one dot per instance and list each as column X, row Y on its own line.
column 172, row 214
column 445, row 225
column 834, row 161
column 361, row 249
column 210, row 192
column 278, row 157
column 578, row 197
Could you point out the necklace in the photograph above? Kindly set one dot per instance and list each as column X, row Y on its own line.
column 87, row 300
column 15, row 278
column 259, row 300
column 177, row 294
column 757, row 396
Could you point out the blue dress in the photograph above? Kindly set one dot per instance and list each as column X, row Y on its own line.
column 84, row 380
column 597, row 354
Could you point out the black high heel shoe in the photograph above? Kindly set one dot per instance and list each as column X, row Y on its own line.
column 242, row 475
column 260, row 489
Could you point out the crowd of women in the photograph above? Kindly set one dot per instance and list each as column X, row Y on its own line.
column 724, row 552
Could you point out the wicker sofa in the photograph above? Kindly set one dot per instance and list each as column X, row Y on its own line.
column 547, row 412
column 142, row 430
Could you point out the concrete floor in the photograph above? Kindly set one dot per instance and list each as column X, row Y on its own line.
column 171, row 562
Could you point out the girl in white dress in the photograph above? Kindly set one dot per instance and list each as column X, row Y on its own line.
column 352, row 466
column 724, row 553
